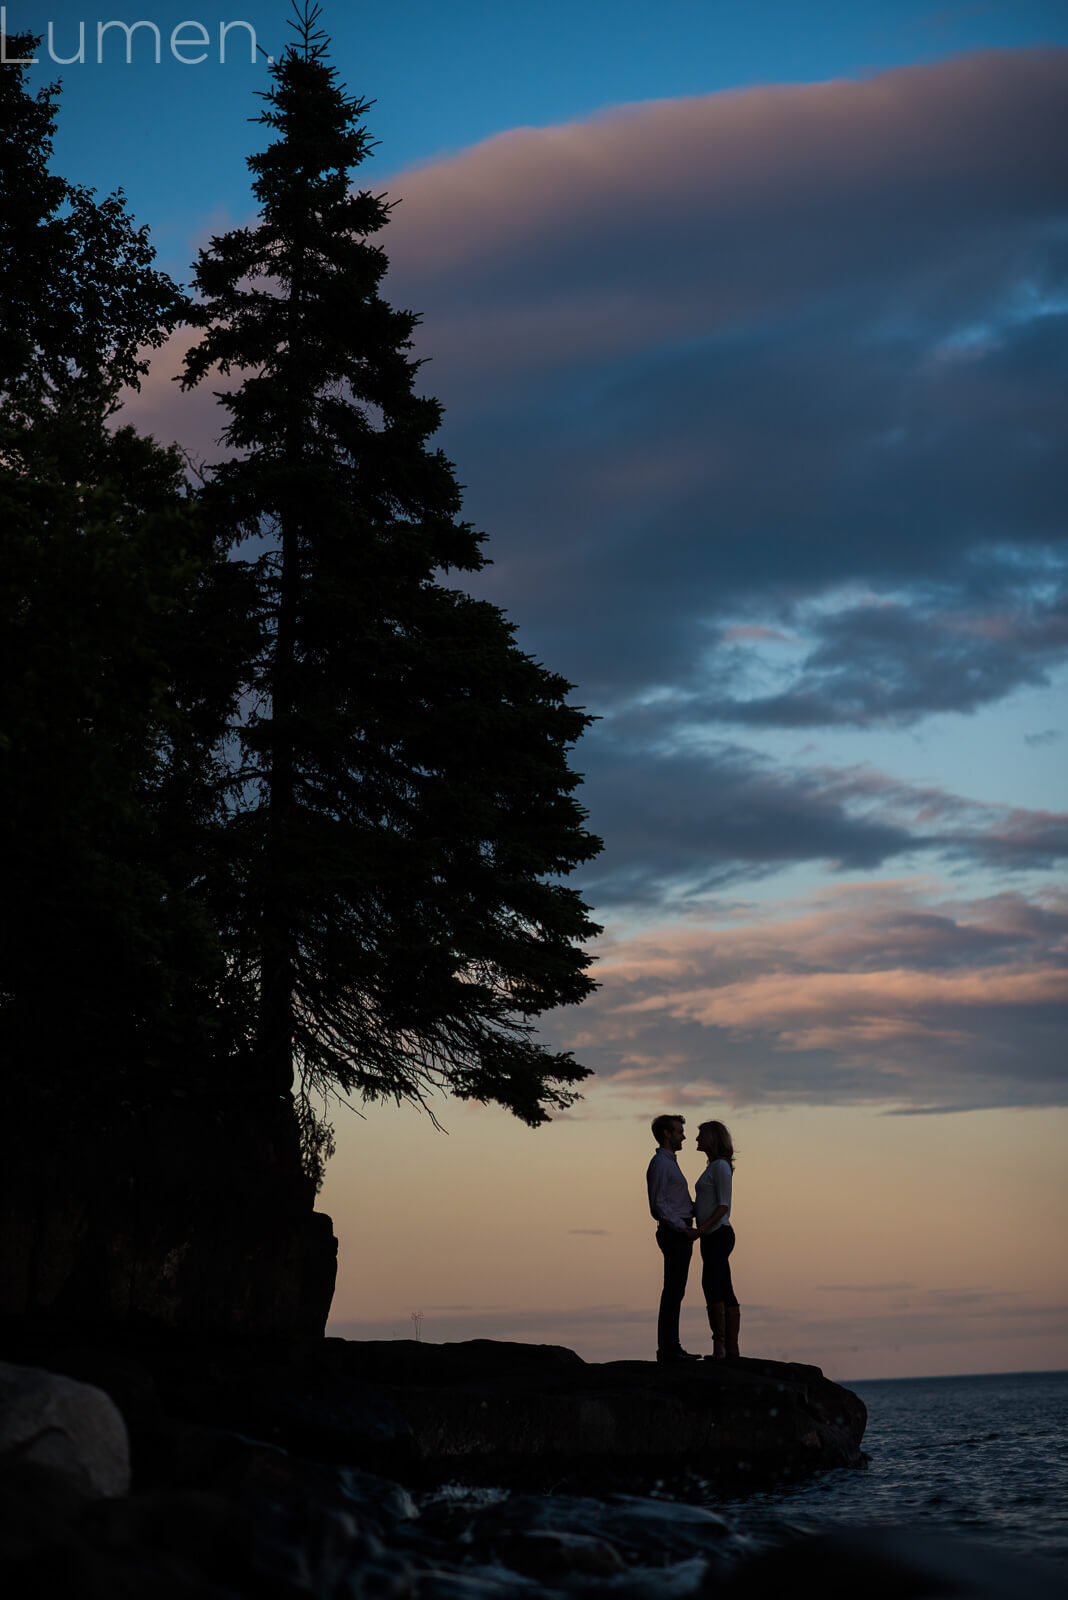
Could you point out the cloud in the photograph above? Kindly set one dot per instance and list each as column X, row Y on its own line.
column 759, row 394
column 862, row 1288
column 760, row 397
column 880, row 994
column 894, row 662
column 712, row 212
column 682, row 824
column 830, row 350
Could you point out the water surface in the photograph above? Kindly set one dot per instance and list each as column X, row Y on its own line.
column 986, row 1457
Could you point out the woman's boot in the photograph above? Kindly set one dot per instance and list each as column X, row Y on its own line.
column 732, row 1317
column 718, row 1323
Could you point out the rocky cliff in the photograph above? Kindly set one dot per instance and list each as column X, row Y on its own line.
column 177, row 1212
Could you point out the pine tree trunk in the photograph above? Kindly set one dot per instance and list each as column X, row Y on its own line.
column 278, row 960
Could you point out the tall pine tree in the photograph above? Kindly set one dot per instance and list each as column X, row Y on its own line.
column 397, row 910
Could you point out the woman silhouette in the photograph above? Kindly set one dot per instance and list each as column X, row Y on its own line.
column 712, row 1201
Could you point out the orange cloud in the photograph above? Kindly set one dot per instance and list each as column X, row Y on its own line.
column 866, row 1005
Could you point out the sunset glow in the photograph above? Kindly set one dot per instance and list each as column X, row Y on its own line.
column 752, row 362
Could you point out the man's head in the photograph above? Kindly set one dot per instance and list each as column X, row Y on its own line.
column 669, row 1132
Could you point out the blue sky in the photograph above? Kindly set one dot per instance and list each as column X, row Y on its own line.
column 750, row 327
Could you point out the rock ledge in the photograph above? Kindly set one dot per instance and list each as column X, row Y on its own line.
column 487, row 1412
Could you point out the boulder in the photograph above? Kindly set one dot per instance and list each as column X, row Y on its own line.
column 636, row 1530
column 304, row 1410
column 72, row 1428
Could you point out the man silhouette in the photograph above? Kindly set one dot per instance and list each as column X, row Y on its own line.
column 671, row 1205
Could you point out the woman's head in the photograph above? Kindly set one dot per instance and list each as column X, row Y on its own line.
column 715, row 1141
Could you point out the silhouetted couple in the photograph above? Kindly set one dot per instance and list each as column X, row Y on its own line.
column 680, row 1221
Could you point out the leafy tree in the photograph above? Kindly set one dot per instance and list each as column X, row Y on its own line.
column 114, row 689
column 409, row 811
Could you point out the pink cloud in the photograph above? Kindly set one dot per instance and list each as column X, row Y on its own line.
column 943, row 121
column 890, row 1003
column 689, row 216
column 879, row 992
column 698, row 214
column 194, row 420
column 745, row 632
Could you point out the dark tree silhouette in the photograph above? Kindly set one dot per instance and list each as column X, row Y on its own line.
column 397, row 907
column 114, row 687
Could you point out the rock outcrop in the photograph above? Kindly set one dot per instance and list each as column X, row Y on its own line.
column 254, row 1474
column 483, row 1412
column 490, row 1412
column 180, row 1212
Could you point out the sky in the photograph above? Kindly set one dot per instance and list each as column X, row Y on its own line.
column 750, row 328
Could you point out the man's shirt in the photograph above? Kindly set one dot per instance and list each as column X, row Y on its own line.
column 669, row 1193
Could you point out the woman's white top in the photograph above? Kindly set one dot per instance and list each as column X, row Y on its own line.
column 713, row 1188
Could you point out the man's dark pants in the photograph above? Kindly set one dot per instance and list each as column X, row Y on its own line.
column 677, row 1249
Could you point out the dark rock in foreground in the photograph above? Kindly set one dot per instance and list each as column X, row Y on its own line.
column 73, row 1428
column 221, row 1511
column 489, row 1412
column 184, row 1214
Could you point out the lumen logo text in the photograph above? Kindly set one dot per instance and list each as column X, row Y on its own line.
column 188, row 43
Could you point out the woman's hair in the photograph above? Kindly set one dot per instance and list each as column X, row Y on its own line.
column 721, row 1148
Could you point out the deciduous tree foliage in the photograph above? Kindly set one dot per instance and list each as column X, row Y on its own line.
column 397, row 908
column 114, row 686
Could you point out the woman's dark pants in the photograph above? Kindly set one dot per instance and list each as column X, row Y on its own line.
column 716, row 1283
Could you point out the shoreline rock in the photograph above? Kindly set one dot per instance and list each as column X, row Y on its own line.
column 254, row 1474
column 486, row 1411
column 479, row 1412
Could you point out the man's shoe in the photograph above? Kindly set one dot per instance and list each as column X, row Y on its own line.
column 676, row 1355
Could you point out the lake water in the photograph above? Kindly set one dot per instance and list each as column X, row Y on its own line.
column 986, row 1457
